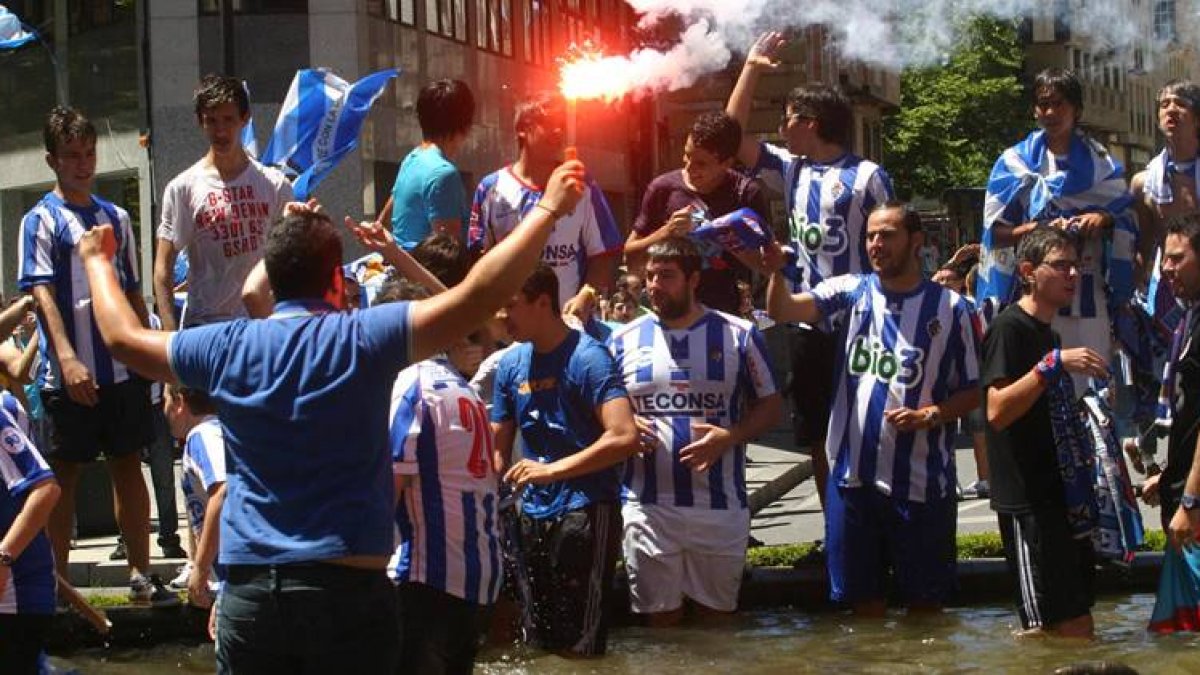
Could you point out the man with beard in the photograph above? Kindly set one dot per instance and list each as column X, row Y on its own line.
column 906, row 367
column 701, row 384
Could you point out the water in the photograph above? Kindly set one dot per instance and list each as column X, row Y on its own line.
column 963, row 640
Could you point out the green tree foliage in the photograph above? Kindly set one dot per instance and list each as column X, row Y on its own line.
column 955, row 119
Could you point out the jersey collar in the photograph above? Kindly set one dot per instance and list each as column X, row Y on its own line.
column 288, row 309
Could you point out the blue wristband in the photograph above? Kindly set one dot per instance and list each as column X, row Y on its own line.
column 1050, row 367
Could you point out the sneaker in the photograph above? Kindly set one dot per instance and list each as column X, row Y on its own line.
column 170, row 547
column 977, row 490
column 119, row 553
column 150, row 590
column 183, row 574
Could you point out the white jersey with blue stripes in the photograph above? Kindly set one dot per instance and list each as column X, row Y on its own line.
column 502, row 200
column 827, row 208
column 900, row 350
column 447, row 516
column 30, row 587
column 203, row 467
column 677, row 378
column 47, row 255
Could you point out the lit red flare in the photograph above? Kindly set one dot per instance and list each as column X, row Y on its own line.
column 586, row 73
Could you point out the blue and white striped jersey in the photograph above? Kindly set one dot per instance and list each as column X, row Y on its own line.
column 900, row 350
column 502, row 200
column 203, row 467
column 447, row 516
column 701, row 374
column 827, row 207
column 47, row 255
column 30, row 590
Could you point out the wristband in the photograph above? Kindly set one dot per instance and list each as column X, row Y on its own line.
column 1050, row 367
column 547, row 209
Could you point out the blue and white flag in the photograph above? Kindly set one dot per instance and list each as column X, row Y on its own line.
column 248, row 140
column 1021, row 190
column 319, row 124
column 12, row 32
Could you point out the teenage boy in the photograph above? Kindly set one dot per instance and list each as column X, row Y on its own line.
column 828, row 192
column 1024, row 361
column 95, row 403
column 218, row 211
column 706, row 187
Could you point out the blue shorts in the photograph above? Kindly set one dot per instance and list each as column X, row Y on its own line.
column 868, row 532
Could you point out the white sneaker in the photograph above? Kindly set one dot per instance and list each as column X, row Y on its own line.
column 180, row 582
column 979, row 490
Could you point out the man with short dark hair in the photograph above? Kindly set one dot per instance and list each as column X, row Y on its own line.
column 1179, row 483
column 428, row 196
column 701, row 384
column 586, row 244
column 561, row 390
column 1026, row 377
column 94, row 402
column 303, row 397
column 705, row 188
column 828, row 192
column 906, row 369
column 218, row 211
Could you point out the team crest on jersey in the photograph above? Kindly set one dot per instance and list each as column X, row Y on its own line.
column 934, row 327
column 11, row 440
column 837, row 190
column 715, row 354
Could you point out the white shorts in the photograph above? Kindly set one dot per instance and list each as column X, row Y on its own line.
column 675, row 551
column 1093, row 332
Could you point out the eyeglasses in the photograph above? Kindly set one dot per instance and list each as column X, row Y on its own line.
column 788, row 117
column 1062, row 266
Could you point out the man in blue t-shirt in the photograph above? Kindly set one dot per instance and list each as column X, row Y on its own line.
column 561, row 389
column 303, row 397
column 429, row 196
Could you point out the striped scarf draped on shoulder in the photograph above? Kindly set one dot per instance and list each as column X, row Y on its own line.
column 1158, row 178
column 1017, row 192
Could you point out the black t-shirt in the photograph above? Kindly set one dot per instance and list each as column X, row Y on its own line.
column 1185, row 422
column 1023, row 469
column 668, row 193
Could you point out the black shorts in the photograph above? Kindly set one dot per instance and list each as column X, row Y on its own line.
column 439, row 632
column 1053, row 571
column 565, row 568
column 122, row 422
column 810, row 383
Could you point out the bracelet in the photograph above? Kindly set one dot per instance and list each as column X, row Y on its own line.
column 547, row 209
column 1050, row 367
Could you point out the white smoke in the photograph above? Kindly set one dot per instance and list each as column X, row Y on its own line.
column 891, row 34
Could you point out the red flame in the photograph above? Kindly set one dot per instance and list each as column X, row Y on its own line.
column 586, row 73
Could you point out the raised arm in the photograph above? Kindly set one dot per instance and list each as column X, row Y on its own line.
column 446, row 317
column 782, row 305
column 763, row 56
column 379, row 238
column 142, row 349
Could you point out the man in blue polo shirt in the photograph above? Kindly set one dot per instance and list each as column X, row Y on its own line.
column 303, row 395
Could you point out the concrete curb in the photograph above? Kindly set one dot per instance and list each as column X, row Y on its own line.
column 983, row 580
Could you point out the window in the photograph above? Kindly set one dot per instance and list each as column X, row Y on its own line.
column 493, row 26
column 400, row 11
column 536, row 32
column 1164, row 20
column 574, row 27
column 257, row 6
column 447, row 18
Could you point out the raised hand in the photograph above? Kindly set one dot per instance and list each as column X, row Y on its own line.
column 764, row 53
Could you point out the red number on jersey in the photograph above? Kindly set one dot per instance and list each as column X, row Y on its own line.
column 473, row 416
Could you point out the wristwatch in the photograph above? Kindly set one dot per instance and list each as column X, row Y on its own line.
column 6, row 559
column 1189, row 502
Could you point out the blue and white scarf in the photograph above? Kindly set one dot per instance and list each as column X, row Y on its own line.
column 1017, row 192
column 1119, row 530
column 1159, row 172
column 1075, row 455
column 1180, row 343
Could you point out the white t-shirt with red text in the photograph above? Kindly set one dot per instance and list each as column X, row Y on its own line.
column 223, row 227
